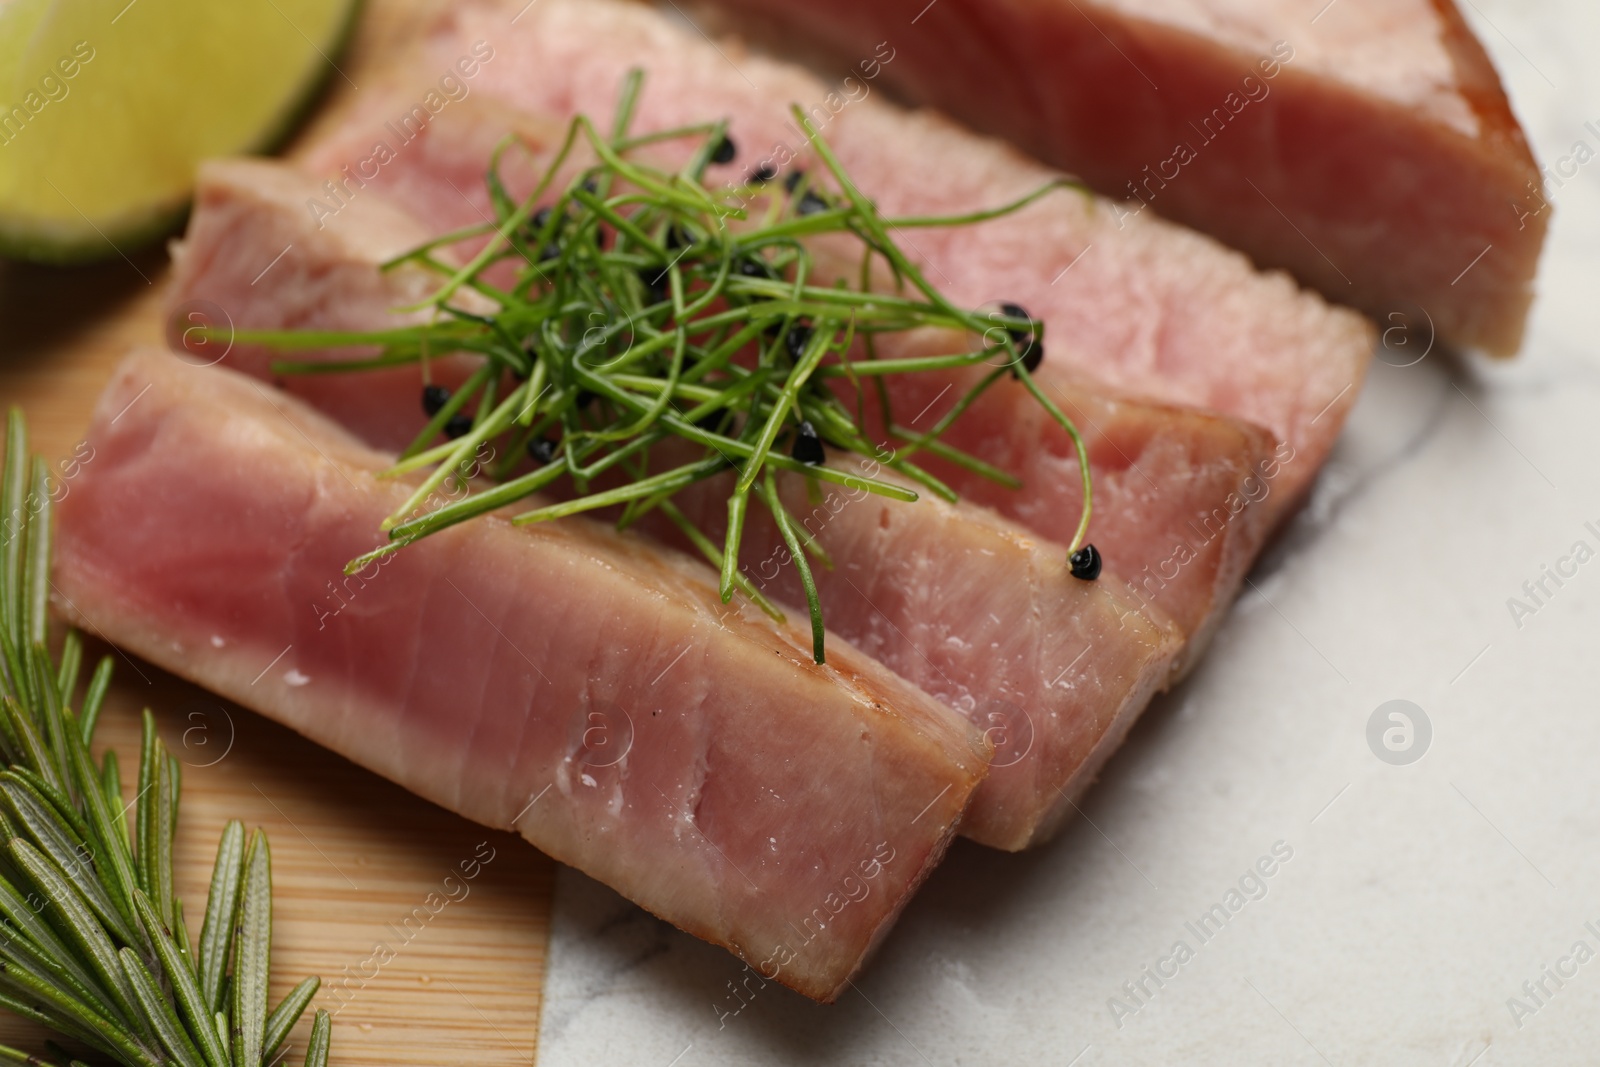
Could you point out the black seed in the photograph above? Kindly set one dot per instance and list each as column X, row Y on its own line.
column 541, row 450
column 584, row 398
column 762, row 174
column 535, row 227
column 807, row 447
column 725, row 150
column 755, row 267
column 591, row 186
column 792, row 182
column 1029, row 347
column 531, row 228
column 798, row 337
column 458, row 426
column 810, row 204
column 677, row 238
column 1086, row 563
column 434, row 398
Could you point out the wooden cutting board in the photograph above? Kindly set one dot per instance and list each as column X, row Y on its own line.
column 358, row 863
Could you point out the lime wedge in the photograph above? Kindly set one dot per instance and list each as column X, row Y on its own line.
column 107, row 105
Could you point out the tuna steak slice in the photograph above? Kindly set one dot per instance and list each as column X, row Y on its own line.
column 1146, row 306
column 285, row 271
column 1367, row 145
column 1184, row 499
column 984, row 616
column 940, row 598
column 587, row 690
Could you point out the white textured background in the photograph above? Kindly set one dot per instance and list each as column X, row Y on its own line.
column 1418, row 899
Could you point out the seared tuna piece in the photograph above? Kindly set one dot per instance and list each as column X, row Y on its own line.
column 586, row 689
column 1365, row 145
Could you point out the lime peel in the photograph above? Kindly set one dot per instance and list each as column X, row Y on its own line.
column 106, row 106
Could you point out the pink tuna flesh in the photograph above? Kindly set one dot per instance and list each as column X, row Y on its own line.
column 1366, row 145
column 1184, row 500
column 586, row 689
column 1147, row 307
column 1173, row 488
column 1081, row 662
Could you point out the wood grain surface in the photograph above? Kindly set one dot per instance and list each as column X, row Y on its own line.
column 355, row 858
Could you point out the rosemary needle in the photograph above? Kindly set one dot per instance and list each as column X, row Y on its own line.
column 93, row 943
column 647, row 309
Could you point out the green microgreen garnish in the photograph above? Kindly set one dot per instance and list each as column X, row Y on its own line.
column 93, row 942
column 646, row 306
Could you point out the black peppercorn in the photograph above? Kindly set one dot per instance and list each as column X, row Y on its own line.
column 792, row 182
column 541, row 450
column 1086, row 563
column 807, row 447
column 458, row 426
column 810, row 204
column 798, row 337
column 762, row 174
column 725, row 150
column 535, row 227
column 1029, row 348
column 434, row 398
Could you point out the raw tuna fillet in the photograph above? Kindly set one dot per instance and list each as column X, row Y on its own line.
column 1146, row 306
column 937, row 593
column 581, row 687
column 1366, row 145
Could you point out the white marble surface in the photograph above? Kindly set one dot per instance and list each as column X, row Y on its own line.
column 1419, row 898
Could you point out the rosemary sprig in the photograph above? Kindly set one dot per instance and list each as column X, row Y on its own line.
column 647, row 310
column 93, row 943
